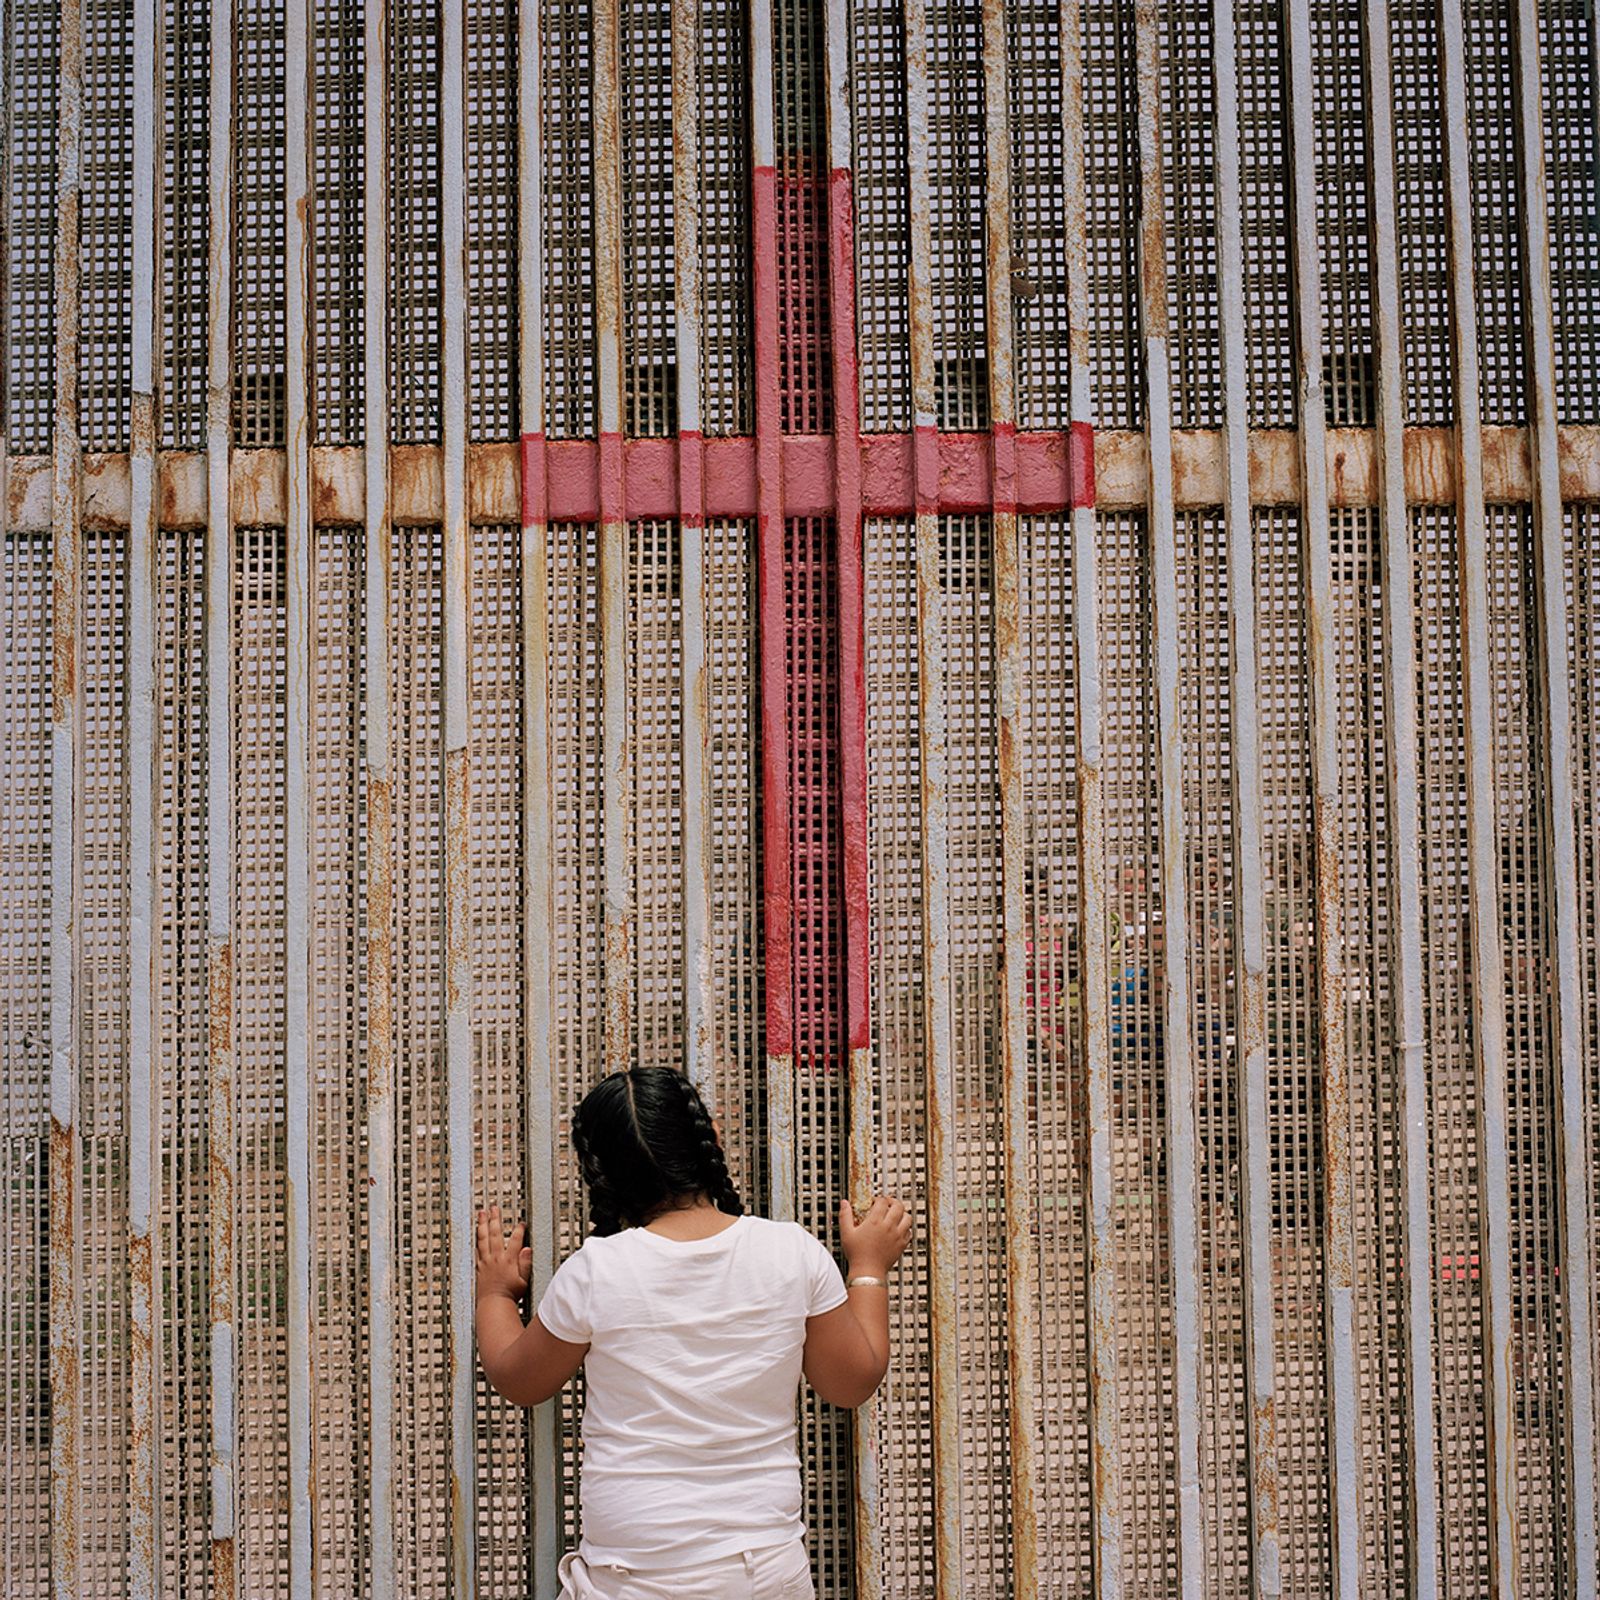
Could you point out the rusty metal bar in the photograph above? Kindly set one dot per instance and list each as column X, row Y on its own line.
column 1255, row 1163
column 457, row 645
column 144, row 821
column 618, row 824
column 221, row 1153
column 1022, row 1266
column 1178, row 1064
column 1338, row 1265
column 1487, row 953
column 867, row 1504
column 699, row 999
column 299, row 622
column 66, row 747
column 931, row 733
column 539, row 1077
column 383, row 1498
column 1400, row 799
column 775, row 821
column 1573, row 1156
column 1095, row 1044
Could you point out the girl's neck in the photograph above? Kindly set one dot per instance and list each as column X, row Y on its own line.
column 694, row 1219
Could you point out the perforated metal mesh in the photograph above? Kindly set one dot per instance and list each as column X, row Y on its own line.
column 30, row 222
column 415, row 353
column 260, row 785
column 337, row 197
column 1111, row 198
column 341, row 1334
column 1206, row 701
column 568, row 190
column 105, row 226
column 725, row 265
column 649, row 349
column 1038, row 198
column 1293, row 1064
column 491, row 198
column 655, row 740
column 182, row 1223
column 25, row 782
column 883, row 337
column 1188, row 150
column 1137, row 949
column 499, row 1065
column 185, row 219
column 1572, row 154
column 1420, row 214
column 1496, row 223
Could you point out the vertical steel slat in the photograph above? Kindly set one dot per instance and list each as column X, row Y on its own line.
column 1573, row 1155
column 931, row 733
column 539, row 911
column 772, row 587
column 618, row 829
column 382, row 1494
column 1176, row 998
column 1400, row 800
column 66, row 751
column 867, row 1502
column 696, row 730
column 1095, row 1043
column 299, row 622
column 1338, row 1210
column 1021, row 1210
column 457, row 644
column 1487, row 954
column 221, row 1156
column 1255, row 1162
column 144, row 823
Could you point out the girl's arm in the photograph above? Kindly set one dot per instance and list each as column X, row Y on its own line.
column 525, row 1362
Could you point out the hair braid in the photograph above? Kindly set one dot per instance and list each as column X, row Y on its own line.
column 604, row 1212
column 713, row 1164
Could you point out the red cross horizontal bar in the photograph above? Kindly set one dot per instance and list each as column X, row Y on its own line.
column 611, row 479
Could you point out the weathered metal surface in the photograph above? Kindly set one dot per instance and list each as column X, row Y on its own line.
column 1250, row 1063
column 1487, row 956
column 1400, row 697
column 1574, row 1158
column 1338, row 1264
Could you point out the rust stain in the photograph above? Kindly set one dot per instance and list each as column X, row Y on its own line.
column 63, row 637
column 181, row 488
column 1264, row 1431
column 259, row 487
column 1352, row 467
column 1121, row 469
column 494, row 482
column 1274, row 467
column 338, row 484
column 1507, row 464
column 1580, row 462
column 416, row 483
column 1430, row 466
column 223, row 1585
column 28, row 487
column 219, row 1000
column 1199, row 459
column 107, row 491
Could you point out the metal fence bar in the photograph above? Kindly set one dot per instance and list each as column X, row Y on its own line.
column 299, row 614
column 1095, row 1043
column 457, row 646
column 1487, row 955
column 1338, row 1210
column 1022, row 1266
column 699, row 997
column 1255, row 1163
column 931, row 732
column 221, row 1153
column 144, row 822
column 1573, row 1156
column 1183, row 1226
column 775, row 831
column 382, row 1490
column 618, row 831
column 867, row 1505
column 545, row 1429
column 1400, row 700
column 66, row 745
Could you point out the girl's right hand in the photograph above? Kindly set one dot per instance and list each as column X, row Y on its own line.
column 876, row 1241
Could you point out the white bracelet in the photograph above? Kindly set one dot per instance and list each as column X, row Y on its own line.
column 850, row 1283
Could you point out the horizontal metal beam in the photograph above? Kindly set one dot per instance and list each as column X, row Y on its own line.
column 1050, row 476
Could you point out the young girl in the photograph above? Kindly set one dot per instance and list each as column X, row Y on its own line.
column 696, row 1321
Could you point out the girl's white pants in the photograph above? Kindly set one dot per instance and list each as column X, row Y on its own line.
column 782, row 1572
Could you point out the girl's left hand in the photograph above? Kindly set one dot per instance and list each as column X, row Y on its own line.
column 505, row 1266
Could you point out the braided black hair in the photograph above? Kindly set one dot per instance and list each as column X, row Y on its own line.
column 645, row 1141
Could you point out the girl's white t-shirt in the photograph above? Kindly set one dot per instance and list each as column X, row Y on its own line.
column 689, row 1436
